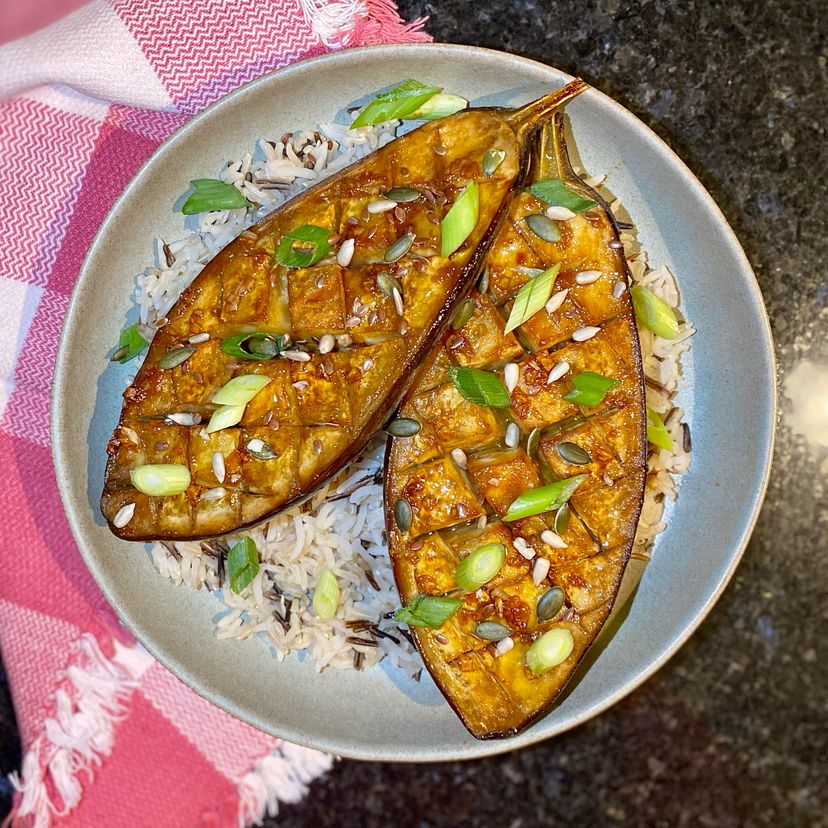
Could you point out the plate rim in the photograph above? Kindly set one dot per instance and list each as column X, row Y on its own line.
column 476, row 749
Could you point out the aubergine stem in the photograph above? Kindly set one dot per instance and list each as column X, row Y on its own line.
column 527, row 118
column 553, row 159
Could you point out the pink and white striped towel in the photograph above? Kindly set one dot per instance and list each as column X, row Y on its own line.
column 110, row 737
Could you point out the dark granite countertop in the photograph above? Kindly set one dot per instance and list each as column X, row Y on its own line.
column 734, row 730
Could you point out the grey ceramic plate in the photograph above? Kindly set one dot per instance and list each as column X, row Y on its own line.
column 728, row 393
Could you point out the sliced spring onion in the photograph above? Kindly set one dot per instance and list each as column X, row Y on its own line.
column 160, row 479
column 590, row 388
column 326, row 595
column 240, row 390
column 554, row 191
column 544, row 498
column 399, row 102
column 654, row 313
column 439, row 106
column 303, row 246
column 492, row 159
column 242, row 564
column 212, row 194
column 532, row 297
column 255, row 346
column 430, row 611
column 657, row 432
column 479, row 387
column 460, row 220
column 480, row 566
column 130, row 344
column 224, row 417
column 550, row 650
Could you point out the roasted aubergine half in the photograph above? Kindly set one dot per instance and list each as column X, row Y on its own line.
column 297, row 341
column 513, row 496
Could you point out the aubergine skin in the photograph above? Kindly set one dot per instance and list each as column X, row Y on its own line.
column 316, row 415
column 458, row 507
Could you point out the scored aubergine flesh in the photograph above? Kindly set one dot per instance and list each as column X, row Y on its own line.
column 321, row 406
column 457, row 499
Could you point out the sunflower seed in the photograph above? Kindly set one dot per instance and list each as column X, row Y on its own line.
column 300, row 385
column 615, row 245
column 504, row 645
column 618, row 290
column 585, row 333
column 345, row 252
column 512, row 435
column 402, row 195
column 297, row 356
column 197, row 339
column 523, row 548
column 482, row 521
column 491, row 631
column 483, row 281
column 540, row 570
column 459, row 457
column 176, row 356
column 317, row 446
column 398, row 302
column 260, row 449
column 587, row 277
column 543, row 227
column 511, row 375
column 216, row 493
column 402, row 514
column 344, row 340
column 327, row 343
column 219, row 469
column 123, row 516
column 558, row 371
column 184, row 418
column 561, row 522
column 388, row 284
column 463, row 314
column 559, row 213
column 572, row 453
column 556, row 300
column 492, row 159
column 403, row 427
column 553, row 539
column 382, row 205
column 399, row 248
column 550, row 603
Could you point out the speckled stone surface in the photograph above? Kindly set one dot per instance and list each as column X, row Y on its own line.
column 734, row 731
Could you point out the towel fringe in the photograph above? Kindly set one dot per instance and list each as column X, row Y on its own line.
column 91, row 697
column 339, row 23
column 280, row 776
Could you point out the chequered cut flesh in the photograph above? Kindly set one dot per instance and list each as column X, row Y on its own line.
column 458, row 506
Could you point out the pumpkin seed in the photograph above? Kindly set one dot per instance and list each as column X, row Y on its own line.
column 176, row 356
column 399, row 248
column 543, row 227
column 403, row 195
column 532, row 442
column 550, row 603
column 463, row 314
column 387, row 283
column 561, row 522
column 491, row 631
column 402, row 514
column 263, row 345
column 260, row 449
column 572, row 453
column 483, row 281
column 491, row 161
column 403, row 427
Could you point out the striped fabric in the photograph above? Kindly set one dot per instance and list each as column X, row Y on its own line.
column 109, row 736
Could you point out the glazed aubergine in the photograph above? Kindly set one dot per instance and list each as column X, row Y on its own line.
column 513, row 501
column 297, row 341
